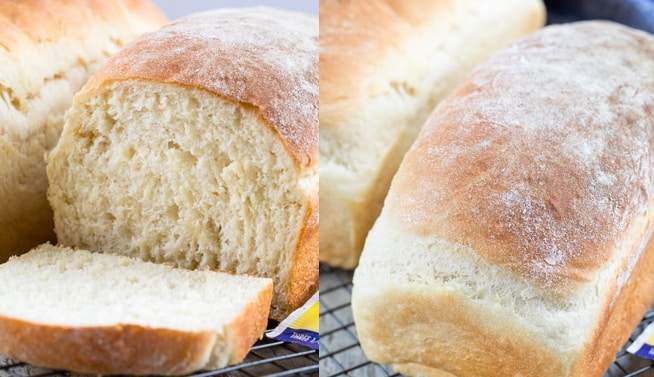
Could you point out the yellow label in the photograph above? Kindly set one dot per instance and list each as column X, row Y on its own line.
column 309, row 320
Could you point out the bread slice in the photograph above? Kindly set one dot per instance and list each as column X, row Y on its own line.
column 515, row 238
column 197, row 145
column 384, row 65
column 109, row 314
column 48, row 50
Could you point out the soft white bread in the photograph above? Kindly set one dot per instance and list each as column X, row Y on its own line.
column 48, row 50
column 514, row 238
column 110, row 314
column 198, row 145
column 384, row 65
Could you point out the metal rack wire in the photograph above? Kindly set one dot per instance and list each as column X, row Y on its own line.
column 341, row 354
column 268, row 357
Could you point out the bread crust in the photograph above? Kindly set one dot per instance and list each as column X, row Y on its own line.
column 250, row 327
column 41, row 42
column 545, row 212
column 28, row 24
column 619, row 320
column 120, row 349
column 306, row 265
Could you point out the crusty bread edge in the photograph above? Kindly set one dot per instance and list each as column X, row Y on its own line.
column 617, row 323
column 250, row 326
column 306, row 265
column 444, row 329
column 120, row 349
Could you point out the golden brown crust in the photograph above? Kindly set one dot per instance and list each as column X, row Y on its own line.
column 250, row 327
column 251, row 56
column 304, row 275
column 540, row 185
column 366, row 40
column 28, row 23
column 443, row 330
column 352, row 44
column 619, row 320
column 121, row 349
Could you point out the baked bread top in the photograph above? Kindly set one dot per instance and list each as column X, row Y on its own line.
column 241, row 56
column 545, row 182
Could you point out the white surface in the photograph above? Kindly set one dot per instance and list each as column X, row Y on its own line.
column 176, row 8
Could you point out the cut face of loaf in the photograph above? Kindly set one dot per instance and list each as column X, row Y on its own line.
column 516, row 233
column 49, row 50
column 195, row 146
column 109, row 314
column 384, row 65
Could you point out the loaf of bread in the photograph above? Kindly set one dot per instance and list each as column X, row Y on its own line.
column 48, row 50
column 197, row 145
column 110, row 314
column 384, row 65
column 514, row 240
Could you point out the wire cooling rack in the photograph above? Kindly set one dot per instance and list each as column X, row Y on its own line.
column 268, row 357
column 341, row 354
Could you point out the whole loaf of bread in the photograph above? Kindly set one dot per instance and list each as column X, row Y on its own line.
column 515, row 237
column 48, row 50
column 197, row 145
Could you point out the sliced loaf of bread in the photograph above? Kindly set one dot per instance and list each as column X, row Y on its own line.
column 110, row 314
column 197, row 145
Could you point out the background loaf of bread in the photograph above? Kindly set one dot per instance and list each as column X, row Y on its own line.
column 198, row 145
column 515, row 235
column 384, row 65
column 48, row 50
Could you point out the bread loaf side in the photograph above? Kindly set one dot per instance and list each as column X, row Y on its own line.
column 48, row 50
column 197, row 145
column 515, row 233
column 384, row 65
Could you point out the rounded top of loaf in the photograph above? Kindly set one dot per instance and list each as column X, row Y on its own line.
column 27, row 22
column 542, row 160
column 367, row 45
column 259, row 56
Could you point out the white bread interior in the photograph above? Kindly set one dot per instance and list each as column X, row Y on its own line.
column 144, row 170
